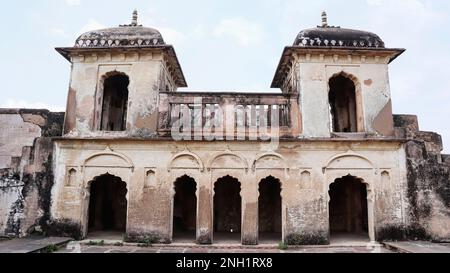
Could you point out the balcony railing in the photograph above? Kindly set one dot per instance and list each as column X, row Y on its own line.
column 229, row 115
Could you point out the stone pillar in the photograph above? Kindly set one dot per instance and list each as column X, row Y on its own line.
column 204, row 212
column 249, row 229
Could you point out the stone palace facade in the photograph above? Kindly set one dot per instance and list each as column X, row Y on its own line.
column 325, row 158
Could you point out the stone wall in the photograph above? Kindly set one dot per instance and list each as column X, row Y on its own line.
column 305, row 169
column 428, row 182
column 372, row 92
column 26, row 176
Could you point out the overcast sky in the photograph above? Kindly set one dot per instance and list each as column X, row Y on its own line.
column 229, row 45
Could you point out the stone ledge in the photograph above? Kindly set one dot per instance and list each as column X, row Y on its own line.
column 417, row 247
column 31, row 245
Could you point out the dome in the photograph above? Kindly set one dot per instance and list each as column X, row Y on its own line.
column 338, row 37
column 328, row 36
column 132, row 35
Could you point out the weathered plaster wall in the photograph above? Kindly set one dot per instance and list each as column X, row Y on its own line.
column 428, row 182
column 25, row 169
column 372, row 86
column 147, row 75
column 305, row 169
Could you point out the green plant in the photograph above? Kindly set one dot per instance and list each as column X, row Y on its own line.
column 118, row 244
column 50, row 249
column 96, row 243
column 282, row 246
column 146, row 241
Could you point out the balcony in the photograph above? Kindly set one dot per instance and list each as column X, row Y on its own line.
column 230, row 116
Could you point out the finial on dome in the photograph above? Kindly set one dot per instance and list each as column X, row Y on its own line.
column 134, row 21
column 324, row 19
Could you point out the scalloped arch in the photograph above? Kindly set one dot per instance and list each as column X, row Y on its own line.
column 349, row 76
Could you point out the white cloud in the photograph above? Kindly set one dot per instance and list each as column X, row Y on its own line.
column 172, row 36
column 13, row 103
column 92, row 24
column 73, row 2
column 244, row 32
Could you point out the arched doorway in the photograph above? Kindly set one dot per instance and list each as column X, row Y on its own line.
column 342, row 99
column 115, row 103
column 185, row 210
column 227, row 210
column 108, row 205
column 269, row 210
column 348, row 209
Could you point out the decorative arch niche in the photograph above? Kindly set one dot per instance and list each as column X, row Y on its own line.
column 71, row 177
column 186, row 161
column 228, row 160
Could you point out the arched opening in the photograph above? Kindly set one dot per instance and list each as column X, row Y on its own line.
column 185, row 210
column 227, row 210
column 108, row 206
column 342, row 99
column 269, row 210
column 115, row 103
column 348, row 209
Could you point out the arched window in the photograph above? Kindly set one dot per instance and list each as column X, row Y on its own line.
column 342, row 99
column 115, row 103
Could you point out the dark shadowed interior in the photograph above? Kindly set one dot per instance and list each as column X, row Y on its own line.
column 269, row 210
column 342, row 98
column 108, row 204
column 115, row 103
column 227, row 209
column 185, row 209
column 348, row 207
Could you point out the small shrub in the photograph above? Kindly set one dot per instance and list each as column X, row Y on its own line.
column 147, row 241
column 282, row 246
column 118, row 244
column 96, row 243
column 50, row 249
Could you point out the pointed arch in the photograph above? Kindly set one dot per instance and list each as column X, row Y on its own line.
column 270, row 212
column 350, row 208
column 227, row 208
column 111, row 101
column 346, row 108
column 184, row 208
column 107, row 208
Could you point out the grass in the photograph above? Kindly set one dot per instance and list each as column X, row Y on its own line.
column 96, row 243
